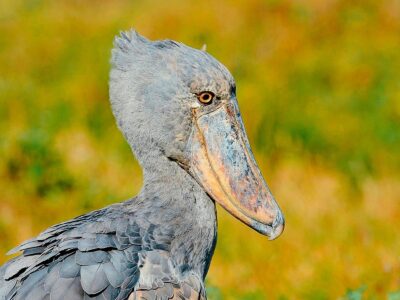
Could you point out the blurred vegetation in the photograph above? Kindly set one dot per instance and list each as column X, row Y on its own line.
column 319, row 89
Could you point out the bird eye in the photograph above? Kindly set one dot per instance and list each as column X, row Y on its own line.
column 206, row 97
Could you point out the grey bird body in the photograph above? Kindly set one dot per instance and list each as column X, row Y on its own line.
column 159, row 244
column 147, row 242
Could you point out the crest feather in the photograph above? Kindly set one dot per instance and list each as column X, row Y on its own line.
column 130, row 46
column 127, row 45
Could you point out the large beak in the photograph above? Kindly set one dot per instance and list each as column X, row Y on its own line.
column 222, row 162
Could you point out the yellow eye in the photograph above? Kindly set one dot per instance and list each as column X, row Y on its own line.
column 206, row 97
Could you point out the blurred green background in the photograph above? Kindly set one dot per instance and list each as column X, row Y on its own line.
column 319, row 89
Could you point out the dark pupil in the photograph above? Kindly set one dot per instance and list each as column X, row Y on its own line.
column 206, row 97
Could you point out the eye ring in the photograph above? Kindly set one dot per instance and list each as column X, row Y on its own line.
column 206, row 98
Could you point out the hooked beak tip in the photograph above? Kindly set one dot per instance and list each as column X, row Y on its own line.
column 272, row 231
column 277, row 227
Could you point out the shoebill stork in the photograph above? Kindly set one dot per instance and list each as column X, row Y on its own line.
column 176, row 106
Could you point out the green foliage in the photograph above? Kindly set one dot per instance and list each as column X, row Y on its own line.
column 355, row 294
column 394, row 296
column 257, row 295
column 35, row 161
column 213, row 292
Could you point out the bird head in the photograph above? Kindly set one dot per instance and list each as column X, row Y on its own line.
column 176, row 102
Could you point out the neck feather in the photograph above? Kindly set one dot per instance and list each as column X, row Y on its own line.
column 175, row 200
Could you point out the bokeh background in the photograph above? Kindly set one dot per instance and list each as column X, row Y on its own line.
column 319, row 89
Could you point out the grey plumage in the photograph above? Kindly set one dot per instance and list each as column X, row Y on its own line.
column 159, row 244
column 104, row 260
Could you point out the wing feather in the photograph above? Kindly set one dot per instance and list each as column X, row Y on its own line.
column 93, row 279
column 87, row 257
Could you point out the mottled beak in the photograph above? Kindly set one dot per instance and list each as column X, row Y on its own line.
column 223, row 163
